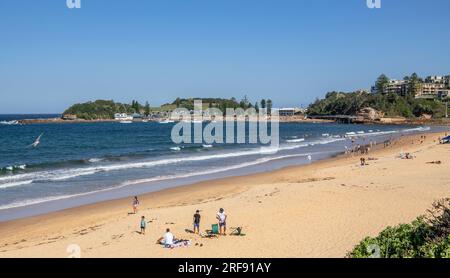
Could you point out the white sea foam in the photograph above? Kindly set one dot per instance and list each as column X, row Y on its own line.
column 14, row 184
column 29, row 202
column 296, row 140
column 14, row 167
column 420, row 129
column 9, row 122
column 66, row 174
column 95, row 160
column 379, row 132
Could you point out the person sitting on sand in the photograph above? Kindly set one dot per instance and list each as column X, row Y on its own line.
column 222, row 217
column 167, row 240
column 143, row 225
column 197, row 222
column 135, row 204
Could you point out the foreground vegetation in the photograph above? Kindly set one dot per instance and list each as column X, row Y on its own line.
column 427, row 237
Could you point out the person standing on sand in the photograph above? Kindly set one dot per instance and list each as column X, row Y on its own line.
column 135, row 204
column 143, row 225
column 197, row 217
column 222, row 217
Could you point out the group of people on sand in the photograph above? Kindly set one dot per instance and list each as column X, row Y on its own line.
column 360, row 149
column 168, row 240
column 221, row 217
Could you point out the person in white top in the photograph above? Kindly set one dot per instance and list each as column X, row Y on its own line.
column 168, row 239
column 222, row 218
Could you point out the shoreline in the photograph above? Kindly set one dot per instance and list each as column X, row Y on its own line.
column 78, row 121
column 37, row 236
column 49, row 205
column 282, row 119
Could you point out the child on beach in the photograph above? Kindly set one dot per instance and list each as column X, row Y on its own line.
column 143, row 225
column 135, row 204
column 197, row 222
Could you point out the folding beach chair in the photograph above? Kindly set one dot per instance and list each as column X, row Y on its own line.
column 215, row 229
column 213, row 233
column 236, row 231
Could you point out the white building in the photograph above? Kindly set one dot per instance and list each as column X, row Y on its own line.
column 288, row 111
column 123, row 117
column 435, row 79
column 399, row 87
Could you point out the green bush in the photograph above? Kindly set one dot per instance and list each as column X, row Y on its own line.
column 340, row 103
column 100, row 109
column 426, row 237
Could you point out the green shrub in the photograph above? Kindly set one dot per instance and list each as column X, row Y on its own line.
column 340, row 103
column 426, row 237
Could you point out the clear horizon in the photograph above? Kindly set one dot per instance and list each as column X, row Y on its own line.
column 291, row 52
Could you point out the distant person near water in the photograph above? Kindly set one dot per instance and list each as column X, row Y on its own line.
column 197, row 217
column 222, row 217
column 135, row 204
column 143, row 225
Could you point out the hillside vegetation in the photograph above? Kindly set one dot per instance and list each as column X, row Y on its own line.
column 340, row 103
column 103, row 109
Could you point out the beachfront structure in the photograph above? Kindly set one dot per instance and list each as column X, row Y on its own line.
column 399, row 87
column 439, row 80
column 69, row 117
column 435, row 79
column 122, row 117
column 288, row 112
column 430, row 90
column 137, row 116
column 433, row 87
column 444, row 94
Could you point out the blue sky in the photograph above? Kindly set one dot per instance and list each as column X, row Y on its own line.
column 289, row 50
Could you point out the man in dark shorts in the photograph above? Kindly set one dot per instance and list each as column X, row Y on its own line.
column 197, row 222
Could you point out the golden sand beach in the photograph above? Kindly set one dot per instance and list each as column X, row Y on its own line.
column 318, row 210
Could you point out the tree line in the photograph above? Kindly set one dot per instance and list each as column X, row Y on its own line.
column 105, row 109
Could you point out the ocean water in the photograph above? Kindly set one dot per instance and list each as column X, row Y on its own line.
column 82, row 161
